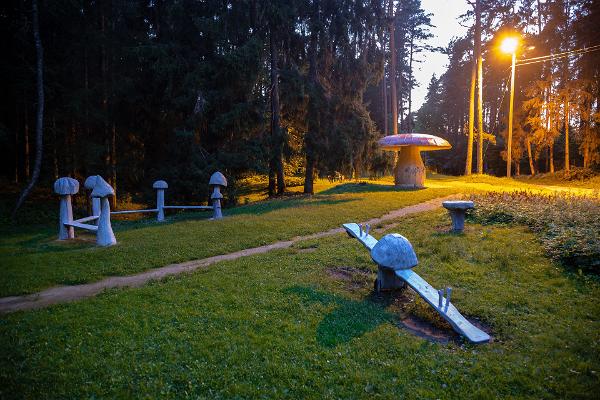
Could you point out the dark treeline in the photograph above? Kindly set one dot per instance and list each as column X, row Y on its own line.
column 142, row 90
column 556, row 121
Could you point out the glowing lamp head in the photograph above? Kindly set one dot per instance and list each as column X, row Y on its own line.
column 509, row 45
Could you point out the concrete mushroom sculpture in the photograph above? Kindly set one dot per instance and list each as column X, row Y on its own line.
column 217, row 181
column 409, row 170
column 393, row 252
column 89, row 184
column 457, row 210
column 104, row 235
column 66, row 187
column 160, row 187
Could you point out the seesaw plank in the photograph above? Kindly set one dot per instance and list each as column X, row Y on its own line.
column 450, row 313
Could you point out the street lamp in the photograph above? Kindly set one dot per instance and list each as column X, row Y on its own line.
column 509, row 45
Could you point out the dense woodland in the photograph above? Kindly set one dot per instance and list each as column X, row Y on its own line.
column 142, row 90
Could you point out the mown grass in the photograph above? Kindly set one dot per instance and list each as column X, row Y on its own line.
column 279, row 325
column 32, row 259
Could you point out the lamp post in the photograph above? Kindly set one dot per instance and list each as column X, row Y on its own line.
column 509, row 45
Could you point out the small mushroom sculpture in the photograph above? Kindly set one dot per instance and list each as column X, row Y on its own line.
column 66, row 187
column 217, row 181
column 458, row 210
column 89, row 184
column 104, row 235
column 160, row 187
column 392, row 252
column 409, row 170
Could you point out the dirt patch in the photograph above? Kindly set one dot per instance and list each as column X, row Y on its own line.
column 426, row 330
column 347, row 273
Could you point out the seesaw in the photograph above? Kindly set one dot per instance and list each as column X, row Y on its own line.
column 395, row 258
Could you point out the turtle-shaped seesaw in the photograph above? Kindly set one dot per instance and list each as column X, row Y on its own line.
column 395, row 258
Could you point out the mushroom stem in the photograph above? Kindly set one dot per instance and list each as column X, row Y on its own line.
column 216, row 203
column 410, row 170
column 105, row 235
column 66, row 216
column 95, row 206
column 160, row 204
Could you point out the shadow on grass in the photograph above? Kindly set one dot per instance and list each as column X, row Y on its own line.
column 365, row 188
column 349, row 319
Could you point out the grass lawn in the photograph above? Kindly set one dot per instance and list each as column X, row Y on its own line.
column 304, row 323
column 31, row 258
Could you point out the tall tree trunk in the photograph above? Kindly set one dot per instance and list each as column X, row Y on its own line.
column 410, row 77
column 276, row 136
column 393, row 71
column 384, row 94
column 39, row 51
column 26, row 156
column 73, row 148
column 551, row 150
column 469, row 162
column 17, row 147
column 113, row 163
column 313, row 117
column 567, row 162
column 54, row 148
column 531, row 167
column 479, row 86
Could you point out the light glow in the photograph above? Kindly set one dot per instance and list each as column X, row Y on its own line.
column 509, row 45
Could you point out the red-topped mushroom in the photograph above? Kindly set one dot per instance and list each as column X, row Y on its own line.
column 410, row 170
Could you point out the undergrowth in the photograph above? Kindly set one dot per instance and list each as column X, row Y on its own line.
column 568, row 226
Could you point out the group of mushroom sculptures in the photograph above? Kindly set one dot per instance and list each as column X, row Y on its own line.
column 100, row 191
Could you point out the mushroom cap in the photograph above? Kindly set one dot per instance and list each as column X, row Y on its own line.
column 394, row 251
column 218, row 179
column 90, row 182
column 420, row 140
column 65, row 186
column 102, row 188
column 160, row 185
column 458, row 204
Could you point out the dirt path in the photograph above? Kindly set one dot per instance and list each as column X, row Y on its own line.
column 63, row 294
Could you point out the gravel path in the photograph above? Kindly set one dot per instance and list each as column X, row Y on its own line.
column 63, row 294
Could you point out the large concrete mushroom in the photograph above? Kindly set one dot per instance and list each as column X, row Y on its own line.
column 104, row 235
column 217, row 181
column 66, row 187
column 410, row 170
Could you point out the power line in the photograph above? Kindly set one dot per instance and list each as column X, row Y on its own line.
column 551, row 57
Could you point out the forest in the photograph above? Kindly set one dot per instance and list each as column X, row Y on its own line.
column 287, row 90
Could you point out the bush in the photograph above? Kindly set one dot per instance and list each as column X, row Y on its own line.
column 568, row 226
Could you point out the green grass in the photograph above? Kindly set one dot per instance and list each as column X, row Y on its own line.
column 32, row 259
column 279, row 325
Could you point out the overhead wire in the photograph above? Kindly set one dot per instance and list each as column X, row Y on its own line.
column 558, row 56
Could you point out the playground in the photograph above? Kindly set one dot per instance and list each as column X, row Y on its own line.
column 275, row 300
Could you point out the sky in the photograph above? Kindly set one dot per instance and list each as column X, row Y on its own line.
column 445, row 14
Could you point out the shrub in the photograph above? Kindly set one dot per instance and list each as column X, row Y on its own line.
column 568, row 226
